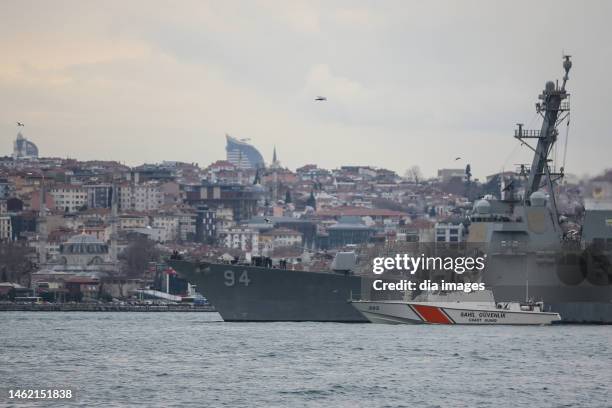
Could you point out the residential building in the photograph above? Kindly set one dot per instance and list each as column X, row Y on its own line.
column 133, row 221
column 449, row 231
column 280, row 237
column 187, row 225
column 241, row 199
column 243, row 238
column 140, row 197
column 6, row 229
column 6, row 189
column 68, row 197
column 206, row 224
column 98, row 195
column 168, row 224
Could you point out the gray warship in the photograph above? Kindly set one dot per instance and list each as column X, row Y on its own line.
column 265, row 294
column 531, row 253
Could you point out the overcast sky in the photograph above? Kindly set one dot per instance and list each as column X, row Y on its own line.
column 408, row 83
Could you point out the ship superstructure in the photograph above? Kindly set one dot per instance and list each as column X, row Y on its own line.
column 530, row 253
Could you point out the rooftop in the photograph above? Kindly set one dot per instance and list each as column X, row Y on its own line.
column 359, row 212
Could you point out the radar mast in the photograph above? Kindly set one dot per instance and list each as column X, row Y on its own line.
column 552, row 103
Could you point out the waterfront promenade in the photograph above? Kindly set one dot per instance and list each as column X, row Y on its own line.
column 100, row 307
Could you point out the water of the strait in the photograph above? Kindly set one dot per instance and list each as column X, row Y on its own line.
column 189, row 360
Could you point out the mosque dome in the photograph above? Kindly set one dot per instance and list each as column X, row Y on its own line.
column 84, row 244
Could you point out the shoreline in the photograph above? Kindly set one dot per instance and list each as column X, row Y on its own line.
column 103, row 308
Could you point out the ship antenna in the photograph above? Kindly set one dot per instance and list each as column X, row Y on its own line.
column 550, row 105
column 567, row 65
column 567, row 126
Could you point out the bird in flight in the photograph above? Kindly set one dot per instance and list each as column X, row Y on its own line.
column 320, row 98
column 20, row 124
column 457, row 158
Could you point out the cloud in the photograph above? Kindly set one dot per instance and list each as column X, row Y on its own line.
column 407, row 82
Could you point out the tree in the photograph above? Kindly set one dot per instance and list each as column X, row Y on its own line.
column 137, row 256
column 15, row 261
column 288, row 197
column 468, row 179
column 414, row 174
column 312, row 202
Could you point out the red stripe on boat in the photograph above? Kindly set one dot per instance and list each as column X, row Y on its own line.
column 432, row 314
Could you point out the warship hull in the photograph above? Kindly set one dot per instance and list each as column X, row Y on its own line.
column 257, row 294
column 579, row 295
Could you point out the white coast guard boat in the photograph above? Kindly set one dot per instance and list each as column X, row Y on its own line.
column 455, row 308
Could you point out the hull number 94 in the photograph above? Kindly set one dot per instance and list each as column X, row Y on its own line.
column 232, row 280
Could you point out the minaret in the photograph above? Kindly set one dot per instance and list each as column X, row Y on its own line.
column 275, row 162
column 274, row 166
column 42, row 225
column 113, row 222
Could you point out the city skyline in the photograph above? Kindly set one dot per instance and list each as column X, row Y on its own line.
column 425, row 82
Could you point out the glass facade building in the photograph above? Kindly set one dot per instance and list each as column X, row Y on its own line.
column 242, row 154
column 23, row 148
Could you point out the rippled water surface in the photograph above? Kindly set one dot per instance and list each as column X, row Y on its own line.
column 188, row 360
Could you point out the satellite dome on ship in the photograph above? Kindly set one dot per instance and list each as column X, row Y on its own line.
column 482, row 207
